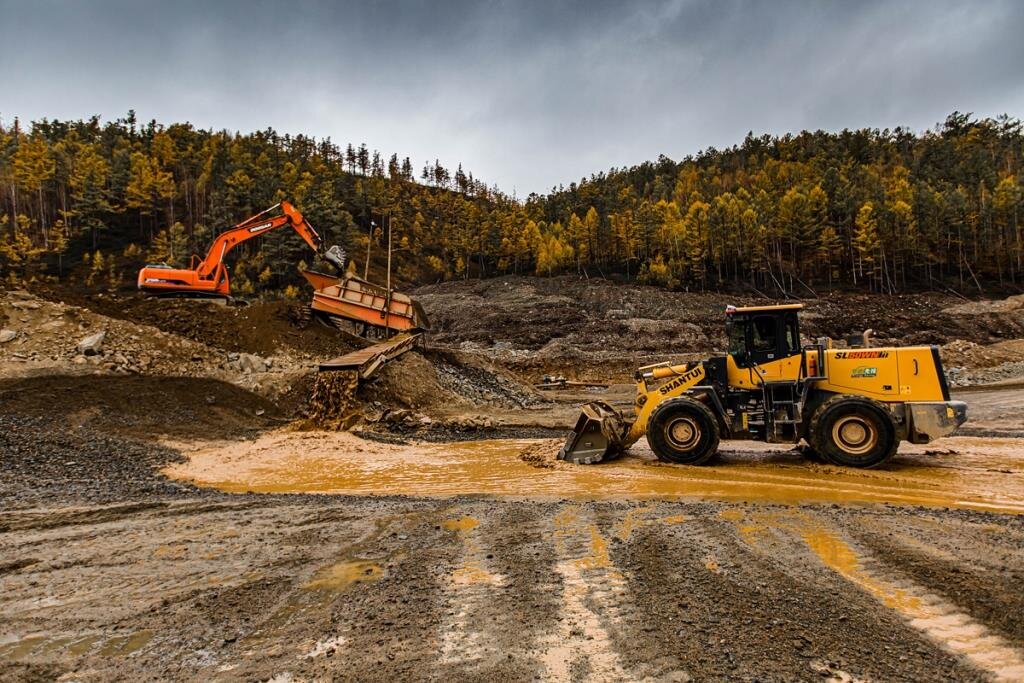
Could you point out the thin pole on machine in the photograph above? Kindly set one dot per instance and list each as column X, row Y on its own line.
column 369, row 241
column 387, row 303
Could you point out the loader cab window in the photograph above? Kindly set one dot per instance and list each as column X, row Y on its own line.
column 763, row 330
column 791, row 340
column 737, row 330
column 763, row 338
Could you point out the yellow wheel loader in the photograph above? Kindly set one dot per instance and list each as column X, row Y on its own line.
column 852, row 406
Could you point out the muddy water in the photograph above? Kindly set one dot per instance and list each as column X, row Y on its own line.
column 962, row 472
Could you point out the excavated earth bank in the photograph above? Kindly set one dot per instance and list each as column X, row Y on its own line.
column 145, row 532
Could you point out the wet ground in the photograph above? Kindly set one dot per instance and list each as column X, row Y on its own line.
column 496, row 564
column 481, row 589
column 959, row 472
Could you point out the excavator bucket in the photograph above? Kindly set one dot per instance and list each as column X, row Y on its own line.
column 599, row 434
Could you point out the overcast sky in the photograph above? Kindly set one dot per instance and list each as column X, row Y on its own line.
column 525, row 94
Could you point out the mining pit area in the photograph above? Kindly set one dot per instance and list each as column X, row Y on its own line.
column 183, row 496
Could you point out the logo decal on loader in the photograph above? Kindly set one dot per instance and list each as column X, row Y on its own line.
column 260, row 228
column 852, row 355
column 864, row 371
column 681, row 380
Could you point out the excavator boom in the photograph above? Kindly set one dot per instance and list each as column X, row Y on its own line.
column 208, row 277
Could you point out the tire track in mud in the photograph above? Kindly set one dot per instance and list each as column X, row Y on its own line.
column 592, row 591
column 275, row 615
column 708, row 603
column 469, row 590
column 379, row 604
column 937, row 618
column 498, row 596
column 988, row 587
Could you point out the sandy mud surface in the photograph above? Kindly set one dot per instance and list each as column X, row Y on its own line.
column 301, row 589
column 486, row 560
column 171, row 510
column 961, row 472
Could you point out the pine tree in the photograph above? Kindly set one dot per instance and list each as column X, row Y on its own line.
column 170, row 246
column 34, row 167
column 866, row 241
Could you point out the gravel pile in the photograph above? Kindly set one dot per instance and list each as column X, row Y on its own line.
column 42, row 465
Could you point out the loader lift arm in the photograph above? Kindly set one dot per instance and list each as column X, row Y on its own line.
column 208, row 276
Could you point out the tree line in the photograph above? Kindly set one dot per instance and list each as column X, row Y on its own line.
column 883, row 210
column 886, row 210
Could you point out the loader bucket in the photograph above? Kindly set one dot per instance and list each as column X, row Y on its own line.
column 599, row 434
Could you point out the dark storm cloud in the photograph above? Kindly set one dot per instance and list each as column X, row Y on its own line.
column 527, row 95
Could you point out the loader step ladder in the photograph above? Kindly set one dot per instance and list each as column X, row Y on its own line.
column 367, row 361
column 784, row 396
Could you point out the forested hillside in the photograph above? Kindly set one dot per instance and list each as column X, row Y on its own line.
column 880, row 210
column 889, row 210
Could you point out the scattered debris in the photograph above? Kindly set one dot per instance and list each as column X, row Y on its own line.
column 542, row 454
column 93, row 344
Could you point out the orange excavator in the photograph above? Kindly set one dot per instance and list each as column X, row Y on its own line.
column 208, row 277
column 343, row 300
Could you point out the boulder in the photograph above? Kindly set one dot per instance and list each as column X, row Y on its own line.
column 251, row 363
column 93, row 344
column 7, row 335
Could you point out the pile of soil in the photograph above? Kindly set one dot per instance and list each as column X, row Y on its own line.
column 421, row 389
column 99, row 439
column 47, row 335
column 45, row 462
column 142, row 407
column 443, row 382
column 592, row 328
column 38, row 336
column 542, row 454
column 264, row 328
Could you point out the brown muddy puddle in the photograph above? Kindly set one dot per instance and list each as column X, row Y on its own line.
column 963, row 472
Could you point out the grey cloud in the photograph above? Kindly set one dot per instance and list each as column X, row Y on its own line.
column 527, row 95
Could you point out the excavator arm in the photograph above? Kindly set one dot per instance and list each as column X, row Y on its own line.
column 254, row 227
column 208, row 277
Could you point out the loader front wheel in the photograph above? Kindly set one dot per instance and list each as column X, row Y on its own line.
column 683, row 431
column 853, row 431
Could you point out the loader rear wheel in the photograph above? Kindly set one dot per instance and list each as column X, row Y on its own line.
column 853, row 431
column 683, row 431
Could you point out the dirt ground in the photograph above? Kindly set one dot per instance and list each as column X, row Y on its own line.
column 591, row 329
column 185, row 520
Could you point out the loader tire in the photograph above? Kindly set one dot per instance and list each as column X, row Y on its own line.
column 853, row 431
column 683, row 431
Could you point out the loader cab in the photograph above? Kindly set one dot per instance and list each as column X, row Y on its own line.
column 762, row 334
